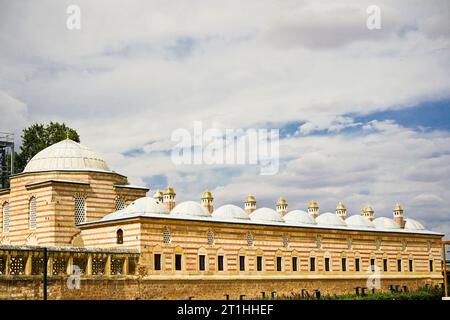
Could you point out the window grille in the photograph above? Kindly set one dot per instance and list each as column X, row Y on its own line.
column 120, row 204
column 37, row 266
column 210, row 237
column 166, row 235
column 80, row 210
column 98, row 266
column 117, row 266
column 32, row 213
column 80, row 262
column 2, row 265
column 17, row 266
column 59, row 266
column 6, row 217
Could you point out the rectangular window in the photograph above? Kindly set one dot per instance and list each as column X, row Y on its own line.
column 411, row 266
column 399, row 265
column 344, row 264
column 157, row 261
column 178, row 262
column 220, row 263
column 431, row 265
column 201, row 262
column 259, row 263
column 294, row 263
column 327, row 264
column 385, row 265
column 357, row 267
column 242, row 263
column 278, row 263
column 312, row 264
column 372, row 264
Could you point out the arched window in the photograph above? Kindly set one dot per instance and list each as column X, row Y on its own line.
column 32, row 214
column 120, row 204
column 5, row 214
column 80, row 209
column 119, row 236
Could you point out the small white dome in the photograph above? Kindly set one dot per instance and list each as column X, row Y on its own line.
column 385, row 223
column 298, row 216
column 66, row 155
column 190, row 208
column 412, row 224
column 230, row 211
column 359, row 221
column 145, row 205
column 266, row 214
column 139, row 207
column 330, row 219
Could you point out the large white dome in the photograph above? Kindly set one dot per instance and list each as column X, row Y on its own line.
column 230, row 211
column 359, row 221
column 412, row 224
column 385, row 223
column 66, row 155
column 330, row 219
column 298, row 216
column 190, row 208
column 266, row 215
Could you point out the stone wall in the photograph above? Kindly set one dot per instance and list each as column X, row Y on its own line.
column 132, row 287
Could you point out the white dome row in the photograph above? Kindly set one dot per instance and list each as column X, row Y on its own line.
column 148, row 205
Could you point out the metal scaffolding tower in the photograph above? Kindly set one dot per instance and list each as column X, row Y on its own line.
column 6, row 149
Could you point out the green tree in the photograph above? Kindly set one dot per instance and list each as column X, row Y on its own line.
column 38, row 137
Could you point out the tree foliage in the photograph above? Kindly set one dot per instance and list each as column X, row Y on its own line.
column 38, row 137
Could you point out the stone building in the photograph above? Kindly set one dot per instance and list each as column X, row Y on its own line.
column 68, row 199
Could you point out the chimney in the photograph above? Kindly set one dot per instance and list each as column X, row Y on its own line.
column 341, row 211
column 398, row 215
column 158, row 196
column 207, row 201
column 313, row 209
column 250, row 204
column 281, row 206
column 368, row 213
column 169, row 198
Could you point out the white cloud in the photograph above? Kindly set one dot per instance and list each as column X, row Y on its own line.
column 137, row 70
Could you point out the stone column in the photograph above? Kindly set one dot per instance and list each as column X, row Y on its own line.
column 125, row 266
column 108, row 266
column 69, row 270
column 89, row 265
column 29, row 264
column 8, row 264
column 50, row 266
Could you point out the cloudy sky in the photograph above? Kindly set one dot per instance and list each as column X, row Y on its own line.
column 364, row 115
